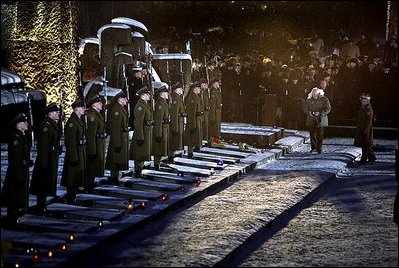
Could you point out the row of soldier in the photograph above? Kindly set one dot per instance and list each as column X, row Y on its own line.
column 176, row 121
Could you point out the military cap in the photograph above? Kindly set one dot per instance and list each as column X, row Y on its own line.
column 77, row 103
column 21, row 117
column 215, row 79
column 137, row 67
column 176, row 85
column 52, row 107
column 120, row 95
column 365, row 96
column 194, row 85
column 94, row 100
column 161, row 88
column 142, row 90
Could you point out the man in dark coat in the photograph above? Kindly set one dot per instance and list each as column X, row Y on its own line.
column 118, row 129
column 215, row 112
column 16, row 182
column 161, row 125
column 205, row 99
column 73, row 173
column 316, row 108
column 364, row 129
column 177, row 115
column 95, row 141
column 141, row 146
column 45, row 171
column 193, row 107
column 135, row 84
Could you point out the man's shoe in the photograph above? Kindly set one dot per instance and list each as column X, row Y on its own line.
column 372, row 159
column 312, row 151
column 319, row 151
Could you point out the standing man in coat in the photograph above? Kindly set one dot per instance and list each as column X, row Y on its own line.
column 364, row 129
column 95, row 141
column 215, row 113
column 140, row 149
column 161, row 125
column 118, row 129
column 193, row 107
column 45, row 171
column 73, row 174
column 316, row 108
column 205, row 99
column 177, row 115
column 16, row 182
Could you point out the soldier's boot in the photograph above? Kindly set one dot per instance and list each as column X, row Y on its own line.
column 113, row 180
column 190, row 155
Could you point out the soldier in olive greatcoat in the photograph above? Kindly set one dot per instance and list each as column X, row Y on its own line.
column 161, row 125
column 205, row 99
column 215, row 113
column 118, row 129
column 73, row 173
column 177, row 115
column 193, row 107
column 16, row 182
column 364, row 129
column 45, row 171
column 140, row 149
column 95, row 148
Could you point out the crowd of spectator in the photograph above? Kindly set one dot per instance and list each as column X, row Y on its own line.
column 289, row 67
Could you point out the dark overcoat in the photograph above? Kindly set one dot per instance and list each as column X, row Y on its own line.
column 118, row 148
column 16, row 182
column 73, row 173
column 143, row 124
column 364, row 129
column 95, row 144
column 45, row 171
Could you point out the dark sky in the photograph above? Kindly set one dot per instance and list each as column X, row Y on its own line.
column 295, row 17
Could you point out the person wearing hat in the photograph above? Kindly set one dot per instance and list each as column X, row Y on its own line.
column 45, row 171
column 205, row 101
column 118, row 129
column 161, row 125
column 364, row 130
column 16, row 182
column 213, row 70
column 177, row 115
column 136, row 82
column 140, row 148
column 193, row 107
column 73, row 173
column 215, row 112
column 95, row 148
column 316, row 107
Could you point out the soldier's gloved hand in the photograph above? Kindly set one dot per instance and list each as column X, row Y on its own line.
column 140, row 142
column 92, row 156
column 60, row 150
column 118, row 149
column 30, row 163
column 74, row 163
column 158, row 139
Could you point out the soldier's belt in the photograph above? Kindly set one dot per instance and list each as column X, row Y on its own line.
column 101, row 135
column 148, row 123
column 200, row 113
column 81, row 142
column 54, row 148
column 207, row 108
column 25, row 163
column 167, row 120
column 183, row 114
column 125, row 129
